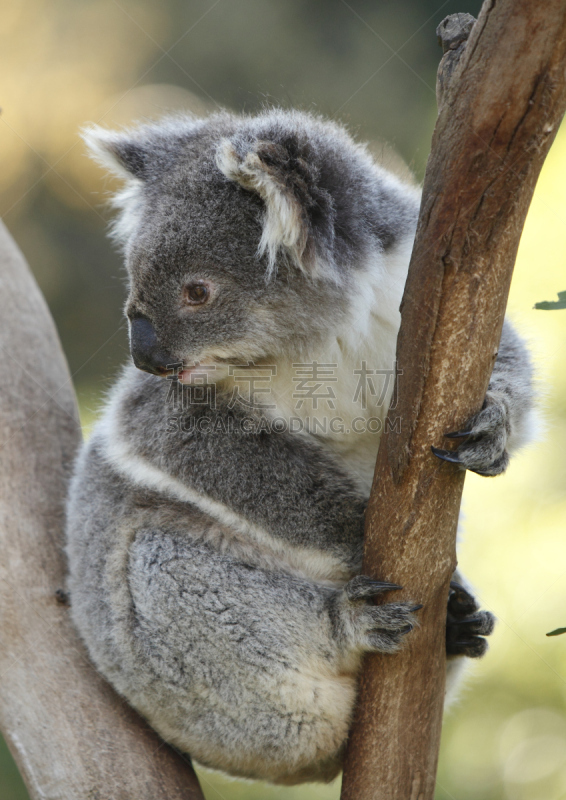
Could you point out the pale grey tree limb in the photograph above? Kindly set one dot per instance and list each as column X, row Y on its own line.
column 72, row 737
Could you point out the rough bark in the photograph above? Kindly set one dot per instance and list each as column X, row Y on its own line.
column 72, row 737
column 499, row 111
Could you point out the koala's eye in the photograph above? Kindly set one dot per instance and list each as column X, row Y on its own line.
column 196, row 294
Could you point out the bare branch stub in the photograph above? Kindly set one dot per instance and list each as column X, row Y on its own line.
column 500, row 108
column 452, row 34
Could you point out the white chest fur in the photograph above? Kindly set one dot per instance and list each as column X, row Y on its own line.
column 340, row 393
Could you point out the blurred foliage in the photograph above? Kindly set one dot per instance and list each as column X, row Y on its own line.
column 69, row 62
column 372, row 64
column 552, row 305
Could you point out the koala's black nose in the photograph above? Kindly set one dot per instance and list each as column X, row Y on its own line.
column 146, row 350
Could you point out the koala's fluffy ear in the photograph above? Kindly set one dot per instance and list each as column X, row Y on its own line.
column 124, row 155
column 119, row 152
column 299, row 213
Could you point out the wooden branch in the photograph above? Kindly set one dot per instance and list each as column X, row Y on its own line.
column 498, row 116
column 72, row 737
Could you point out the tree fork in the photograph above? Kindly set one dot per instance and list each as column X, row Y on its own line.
column 502, row 95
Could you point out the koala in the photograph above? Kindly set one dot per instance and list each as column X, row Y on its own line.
column 215, row 518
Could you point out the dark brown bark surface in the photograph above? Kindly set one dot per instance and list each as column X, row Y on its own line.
column 72, row 737
column 500, row 109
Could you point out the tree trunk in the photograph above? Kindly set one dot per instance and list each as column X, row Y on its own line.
column 72, row 737
column 500, row 108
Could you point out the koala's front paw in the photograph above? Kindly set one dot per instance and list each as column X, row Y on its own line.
column 375, row 628
column 466, row 624
column 484, row 449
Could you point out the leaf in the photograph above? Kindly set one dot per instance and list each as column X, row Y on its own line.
column 550, row 305
column 557, row 632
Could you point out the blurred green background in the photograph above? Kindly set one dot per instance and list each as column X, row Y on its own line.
column 371, row 64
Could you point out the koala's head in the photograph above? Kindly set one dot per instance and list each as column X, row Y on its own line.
column 244, row 236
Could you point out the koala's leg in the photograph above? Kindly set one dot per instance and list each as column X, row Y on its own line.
column 466, row 626
column 250, row 671
column 506, row 420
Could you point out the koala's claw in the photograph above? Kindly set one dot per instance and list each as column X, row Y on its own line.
column 362, row 587
column 458, row 434
column 446, row 455
column 466, row 625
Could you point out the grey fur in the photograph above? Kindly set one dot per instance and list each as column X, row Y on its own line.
column 214, row 562
column 499, row 427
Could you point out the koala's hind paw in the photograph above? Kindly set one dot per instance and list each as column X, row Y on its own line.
column 484, row 449
column 466, row 624
column 376, row 628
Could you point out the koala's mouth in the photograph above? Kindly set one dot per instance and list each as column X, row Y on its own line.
column 217, row 364
column 208, row 370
